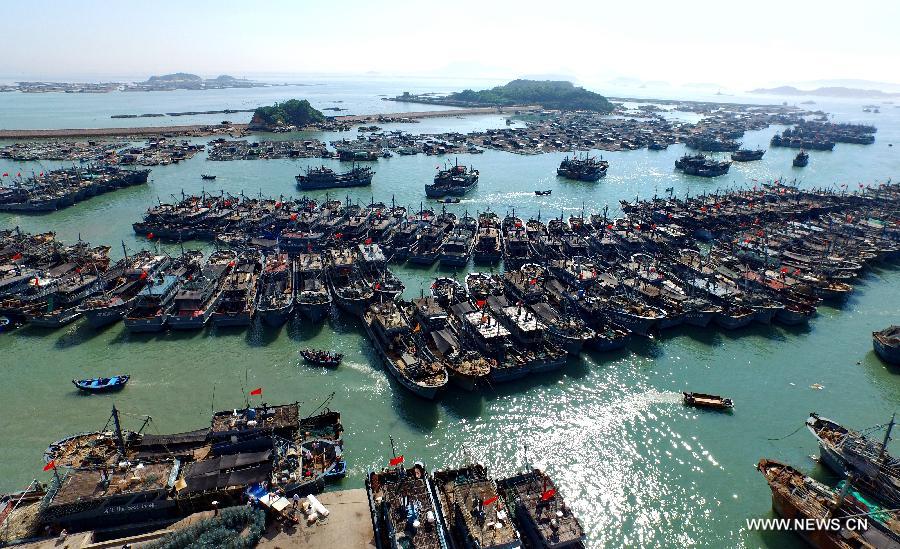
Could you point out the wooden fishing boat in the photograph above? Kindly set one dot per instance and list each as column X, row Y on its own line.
column 321, row 358
column 102, row 384
column 543, row 193
column 703, row 400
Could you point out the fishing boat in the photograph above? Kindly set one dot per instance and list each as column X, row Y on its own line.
column 102, row 384
column 454, row 181
column 472, row 509
column 848, row 452
column 324, row 178
column 389, row 330
column 152, row 304
column 544, row 193
column 403, row 508
column 322, row 358
column 198, row 297
column 703, row 400
column 487, row 239
column 747, row 155
column 540, row 512
column 276, row 296
column 801, row 160
column 796, row 496
column 588, row 168
column 887, row 344
column 313, row 299
column 124, row 283
column 239, row 293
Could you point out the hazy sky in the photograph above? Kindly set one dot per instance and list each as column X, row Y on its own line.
column 735, row 44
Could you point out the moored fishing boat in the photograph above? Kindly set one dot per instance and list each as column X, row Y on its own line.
column 472, row 509
column 403, row 508
column 390, row 332
column 276, row 299
column 887, row 344
column 796, row 496
column 110, row 306
column 199, row 297
column 540, row 512
column 848, row 452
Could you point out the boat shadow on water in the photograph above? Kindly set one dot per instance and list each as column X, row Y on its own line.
column 78, row 333
column 125, row 337
column 300, row 329
column 418, row 413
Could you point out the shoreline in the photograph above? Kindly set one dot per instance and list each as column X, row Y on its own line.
column 200, row 130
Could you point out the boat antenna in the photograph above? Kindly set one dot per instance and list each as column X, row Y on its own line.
column 393, row 448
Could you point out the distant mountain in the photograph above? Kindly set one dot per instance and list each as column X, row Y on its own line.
column 550, row 94
column 832, row 91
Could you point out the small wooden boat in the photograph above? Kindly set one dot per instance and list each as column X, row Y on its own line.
column 543, row 193
column 207, row 177
column 449, row 200
column 702, row 400
column 887, row 344
column 102, row 384
column 322, row 358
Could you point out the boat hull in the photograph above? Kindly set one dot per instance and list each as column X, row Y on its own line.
column 315, row 312
column 276, row 317
column 104, row 316
column 885, row 352
column 151, row 324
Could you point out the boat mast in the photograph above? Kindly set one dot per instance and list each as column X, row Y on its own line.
column 887, row 437
column 119, row 439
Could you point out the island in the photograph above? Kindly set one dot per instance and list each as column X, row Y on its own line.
column 295, row 113
column 831, row 91
column 188, row 81
column 549, row 94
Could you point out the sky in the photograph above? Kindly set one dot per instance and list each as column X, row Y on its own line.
column 736, row 45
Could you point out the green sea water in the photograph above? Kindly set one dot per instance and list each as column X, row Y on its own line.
column 637, row 467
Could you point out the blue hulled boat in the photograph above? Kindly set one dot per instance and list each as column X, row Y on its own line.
column 101, row 384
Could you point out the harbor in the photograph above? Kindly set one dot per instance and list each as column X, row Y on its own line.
column 632, row 394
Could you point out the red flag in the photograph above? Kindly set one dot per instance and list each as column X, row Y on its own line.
column 490, row 500
column 338, row 236
column 231, row 263
column 19, row 174
column 143, row 275
column 610, row 227
column 50, row 465
column 378, row 285
column 548, row 494
column 480, row 303
column 368, row 241
column 42, row 174
column 256, row 392
column 396, row 461
column 150, row 236
column 784, row 269
column 17, row 256
column 5, row 174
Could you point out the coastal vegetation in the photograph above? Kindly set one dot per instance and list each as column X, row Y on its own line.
column 550, row 94
column 294, row 112
column 232, row 527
